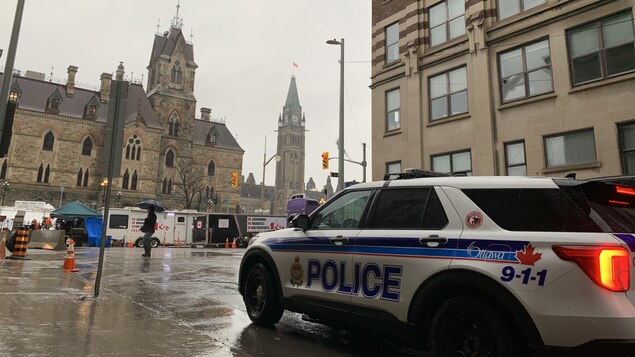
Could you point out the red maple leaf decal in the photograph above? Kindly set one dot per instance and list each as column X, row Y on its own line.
column 527, row 255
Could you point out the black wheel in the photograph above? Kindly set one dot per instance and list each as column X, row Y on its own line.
column 261, row 298
column 155, row 243
column 139, row 243
column 468, row 327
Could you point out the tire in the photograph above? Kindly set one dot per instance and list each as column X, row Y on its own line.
column 154, row 243
column 261, row 298
column 468, row 327
column 139, row 243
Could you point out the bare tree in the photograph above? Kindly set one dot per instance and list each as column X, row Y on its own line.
column 190, row 183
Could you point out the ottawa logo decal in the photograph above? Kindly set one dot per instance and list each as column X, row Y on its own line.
column 474, row 219
column 297, row 272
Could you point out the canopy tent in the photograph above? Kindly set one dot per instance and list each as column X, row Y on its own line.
column 73, row 210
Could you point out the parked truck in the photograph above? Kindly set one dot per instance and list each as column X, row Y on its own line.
column 172, row 227
column 241, row 227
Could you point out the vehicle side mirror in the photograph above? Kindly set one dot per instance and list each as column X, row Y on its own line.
column 300, row 221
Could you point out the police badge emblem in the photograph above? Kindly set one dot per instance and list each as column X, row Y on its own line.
column 297, row 273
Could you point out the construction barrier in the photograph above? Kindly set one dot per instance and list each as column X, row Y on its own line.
column 53, row 240
column 69, row 262
column 21, row 242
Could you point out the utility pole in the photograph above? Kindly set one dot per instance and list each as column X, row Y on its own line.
column 8, row 68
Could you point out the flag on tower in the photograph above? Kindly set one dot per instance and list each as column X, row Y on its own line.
column 295, row 65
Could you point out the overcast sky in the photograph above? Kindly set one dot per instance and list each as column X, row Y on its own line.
column 245, row 51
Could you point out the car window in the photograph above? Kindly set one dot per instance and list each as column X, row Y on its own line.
column 344, row 212
column 533, row 210
column 413, row 208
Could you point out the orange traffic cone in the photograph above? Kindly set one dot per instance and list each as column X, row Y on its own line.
column 69, row 262
column 226, row 243
column 130, row 244
column 234, row 244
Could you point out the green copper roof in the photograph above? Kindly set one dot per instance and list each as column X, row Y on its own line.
column 292, row 95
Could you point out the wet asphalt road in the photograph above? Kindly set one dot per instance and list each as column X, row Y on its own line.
column 180, row 302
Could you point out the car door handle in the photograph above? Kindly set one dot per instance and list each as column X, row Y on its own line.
column 433, row 240
column 338, row 240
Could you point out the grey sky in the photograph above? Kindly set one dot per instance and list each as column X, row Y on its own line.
column 245, row 51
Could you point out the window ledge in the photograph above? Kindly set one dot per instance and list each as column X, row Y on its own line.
column 392, row 132
column 449, row 119
column 602, row 82
column 529, row 100
column 432, row 50
column 392, row 64
column 549, row 170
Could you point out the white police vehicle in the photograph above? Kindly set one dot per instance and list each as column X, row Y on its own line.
column 463, row 266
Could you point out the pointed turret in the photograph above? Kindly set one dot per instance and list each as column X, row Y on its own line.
column 292, row 95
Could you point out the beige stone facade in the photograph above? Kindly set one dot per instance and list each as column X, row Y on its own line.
column 57, row 149
column 492, row 90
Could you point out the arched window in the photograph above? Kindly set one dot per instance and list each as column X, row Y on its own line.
column 164, row 188
column 80, row 176
column 86, row 178
column 211, row 169
column 176, row 73
column 87, row 147
column 169, row 158
column 49, row 141
column 3, row 171
column 173, row 124
column 170, row 187
column 133, row 148
column 47, row 173
column 40, row 172
column 124, row 180
column 133, row 182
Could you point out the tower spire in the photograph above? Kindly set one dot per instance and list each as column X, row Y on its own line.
column 177, row 22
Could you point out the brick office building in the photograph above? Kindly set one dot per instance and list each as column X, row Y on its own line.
column 513, row 87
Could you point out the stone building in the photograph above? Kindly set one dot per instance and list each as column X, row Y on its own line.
column 57, row 147
column 507, row 87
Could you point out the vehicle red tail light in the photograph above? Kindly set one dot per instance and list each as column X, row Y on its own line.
column 607, row 266
column 625, row 190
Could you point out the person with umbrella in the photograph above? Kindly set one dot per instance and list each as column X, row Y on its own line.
column 148, row 230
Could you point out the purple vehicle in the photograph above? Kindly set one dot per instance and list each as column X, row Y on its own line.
column 298, row 204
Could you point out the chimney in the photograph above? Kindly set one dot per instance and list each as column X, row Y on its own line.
column 205, row 114
column 120, row 72
column 70, row 82
column 104, row 91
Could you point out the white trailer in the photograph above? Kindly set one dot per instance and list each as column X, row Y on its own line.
column 172, row 228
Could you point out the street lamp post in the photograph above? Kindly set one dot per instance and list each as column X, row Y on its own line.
column 119, row 194
column 340, row 141
column 262, row 185
column 103, row 184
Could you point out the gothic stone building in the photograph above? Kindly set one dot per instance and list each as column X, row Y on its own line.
column 59, row 134
column 504, row 87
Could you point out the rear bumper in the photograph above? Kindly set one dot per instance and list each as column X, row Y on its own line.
column 613, row 348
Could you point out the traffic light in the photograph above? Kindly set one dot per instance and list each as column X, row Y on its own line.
column 325, row 160
column 234, row 179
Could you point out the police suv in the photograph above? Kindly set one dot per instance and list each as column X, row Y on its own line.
column 462, row 266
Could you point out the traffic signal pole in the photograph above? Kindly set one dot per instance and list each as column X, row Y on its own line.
column 8, row 68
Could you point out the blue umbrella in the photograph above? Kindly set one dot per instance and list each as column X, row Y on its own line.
column 145, row 204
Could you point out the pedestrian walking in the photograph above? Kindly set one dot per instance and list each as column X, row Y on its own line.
column 148, row 230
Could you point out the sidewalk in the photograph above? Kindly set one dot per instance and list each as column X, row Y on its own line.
column 47, row 311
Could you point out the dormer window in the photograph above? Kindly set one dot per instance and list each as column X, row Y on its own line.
column 212, row 136
column 54, row 102
column 176, row 73
column 90, row 109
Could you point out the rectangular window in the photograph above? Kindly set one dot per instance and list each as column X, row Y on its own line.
column 570, row 149
column 393, row 167
column 392, row 42
column 453, row 163
column 525, row 71
column 415, row 208
column 507, row 8
column 602, row 49
column 627, row 147
column 515, row 160
column 448, row 94
column 118, row 221
column 393, row 102
column 447, row 21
